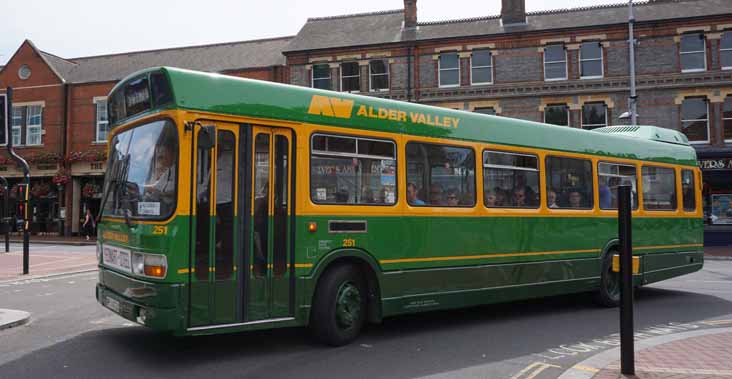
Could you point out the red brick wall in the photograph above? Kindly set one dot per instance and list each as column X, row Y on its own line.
column 82, row 116
column 42, row 85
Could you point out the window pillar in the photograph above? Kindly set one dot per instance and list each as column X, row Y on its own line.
column 335, row 76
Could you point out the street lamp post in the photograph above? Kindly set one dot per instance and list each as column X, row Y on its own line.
column 632, row 101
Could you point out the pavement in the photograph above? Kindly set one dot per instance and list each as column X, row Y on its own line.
column 701, row 354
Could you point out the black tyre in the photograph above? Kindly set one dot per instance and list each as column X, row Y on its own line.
column 339, row 306
column 609, row 293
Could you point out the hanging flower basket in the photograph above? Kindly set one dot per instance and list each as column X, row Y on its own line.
column 44, row 157
column 41, row 189
column 87, row 156
column 4, row 161
column 62, row 177
column 90, row 190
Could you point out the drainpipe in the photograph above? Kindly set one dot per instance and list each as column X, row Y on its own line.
column 64, row 151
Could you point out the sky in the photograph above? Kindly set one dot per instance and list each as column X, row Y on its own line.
column 78, row 28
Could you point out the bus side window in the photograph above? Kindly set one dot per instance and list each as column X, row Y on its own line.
column 688, row 190
column 510, row 180
column 612, row 175
column 352, row 170
column 659, row 188
column 440, row 176
column 570, row 179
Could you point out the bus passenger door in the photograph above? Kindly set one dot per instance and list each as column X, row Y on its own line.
column 215, row 288
column 271, row 276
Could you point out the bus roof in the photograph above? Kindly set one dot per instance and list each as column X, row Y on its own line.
column 207, row 92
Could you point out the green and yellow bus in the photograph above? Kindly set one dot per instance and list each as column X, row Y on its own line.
column 234, row 204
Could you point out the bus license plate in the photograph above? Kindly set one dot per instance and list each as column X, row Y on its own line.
column 117, row 258
column 112, row 304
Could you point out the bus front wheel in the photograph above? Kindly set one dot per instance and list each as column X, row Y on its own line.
column 339, row 306
column 609, row 293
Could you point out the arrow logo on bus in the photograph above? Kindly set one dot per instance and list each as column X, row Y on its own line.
column 330, row 106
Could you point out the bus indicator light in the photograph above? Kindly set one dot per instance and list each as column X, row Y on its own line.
column 312, row 227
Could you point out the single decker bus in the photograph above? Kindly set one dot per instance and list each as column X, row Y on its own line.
column 232, row 204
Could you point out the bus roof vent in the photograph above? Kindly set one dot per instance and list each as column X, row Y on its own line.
column 649, row 132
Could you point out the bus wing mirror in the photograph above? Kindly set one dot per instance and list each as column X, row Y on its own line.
column 206, row 137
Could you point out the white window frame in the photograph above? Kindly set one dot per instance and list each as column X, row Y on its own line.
column 34, row 130
column 440, row 69
column 704, row 51
column 16, row 132
column 566, row 109
column 566, row 73
column 601, row 59
column 388, row 84
column 728, row 32
column 313, row 78
column 723, row 118
column 582, row 115
column 472, row 83
column 97, row 122
column 358, row 75
column 692, row 120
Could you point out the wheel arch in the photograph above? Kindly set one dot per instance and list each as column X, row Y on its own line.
column 366, row 264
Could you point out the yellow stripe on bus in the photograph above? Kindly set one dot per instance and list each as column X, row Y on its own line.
column 486, row 256
column 667, row 246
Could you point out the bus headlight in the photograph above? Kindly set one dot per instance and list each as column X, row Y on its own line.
column 150, row 265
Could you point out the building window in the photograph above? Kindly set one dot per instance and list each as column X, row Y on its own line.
column 29, row 117
column 449, row 70
column 321, row 76
column 350, row 77
column 34, row 125
column 102, row 122
column 555, row 62
column 378, row 75
column 352, row 170
column 594, row 115
column 556, row 114
column 725, row 51
column 591, row 60
column 695, row 119
column 727, row 119
column 693, row 52
column 485, row 110
column 481, row 67
column 17, row 124
column 440, row 176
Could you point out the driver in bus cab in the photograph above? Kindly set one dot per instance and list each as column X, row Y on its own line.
column 162, row 181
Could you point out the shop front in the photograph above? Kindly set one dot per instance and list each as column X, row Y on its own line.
column 44, row 208
column 716, row 166
column 87, row 183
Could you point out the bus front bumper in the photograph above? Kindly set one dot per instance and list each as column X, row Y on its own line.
column 156, row 305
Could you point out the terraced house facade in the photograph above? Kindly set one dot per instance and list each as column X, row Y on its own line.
column 565, row 67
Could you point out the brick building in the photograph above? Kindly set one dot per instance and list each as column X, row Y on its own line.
column 59, row 115
column 567, row 67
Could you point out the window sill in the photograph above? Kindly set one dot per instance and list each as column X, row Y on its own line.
column 554, row 79
column 99, row 142
column 481, row 84
column 693, row 70
column 379, row 90
column 698, row 142
column 449, row 86
column 591, row 77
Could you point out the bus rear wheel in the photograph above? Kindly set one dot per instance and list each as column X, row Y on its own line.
column 609, row 293
column 339, row 306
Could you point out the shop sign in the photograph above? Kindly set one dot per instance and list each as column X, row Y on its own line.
column 716, row 164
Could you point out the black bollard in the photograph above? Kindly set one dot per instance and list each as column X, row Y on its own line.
column 627, row 349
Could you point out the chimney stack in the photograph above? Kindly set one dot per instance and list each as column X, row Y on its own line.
column 410, row 14
column 513, row 12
